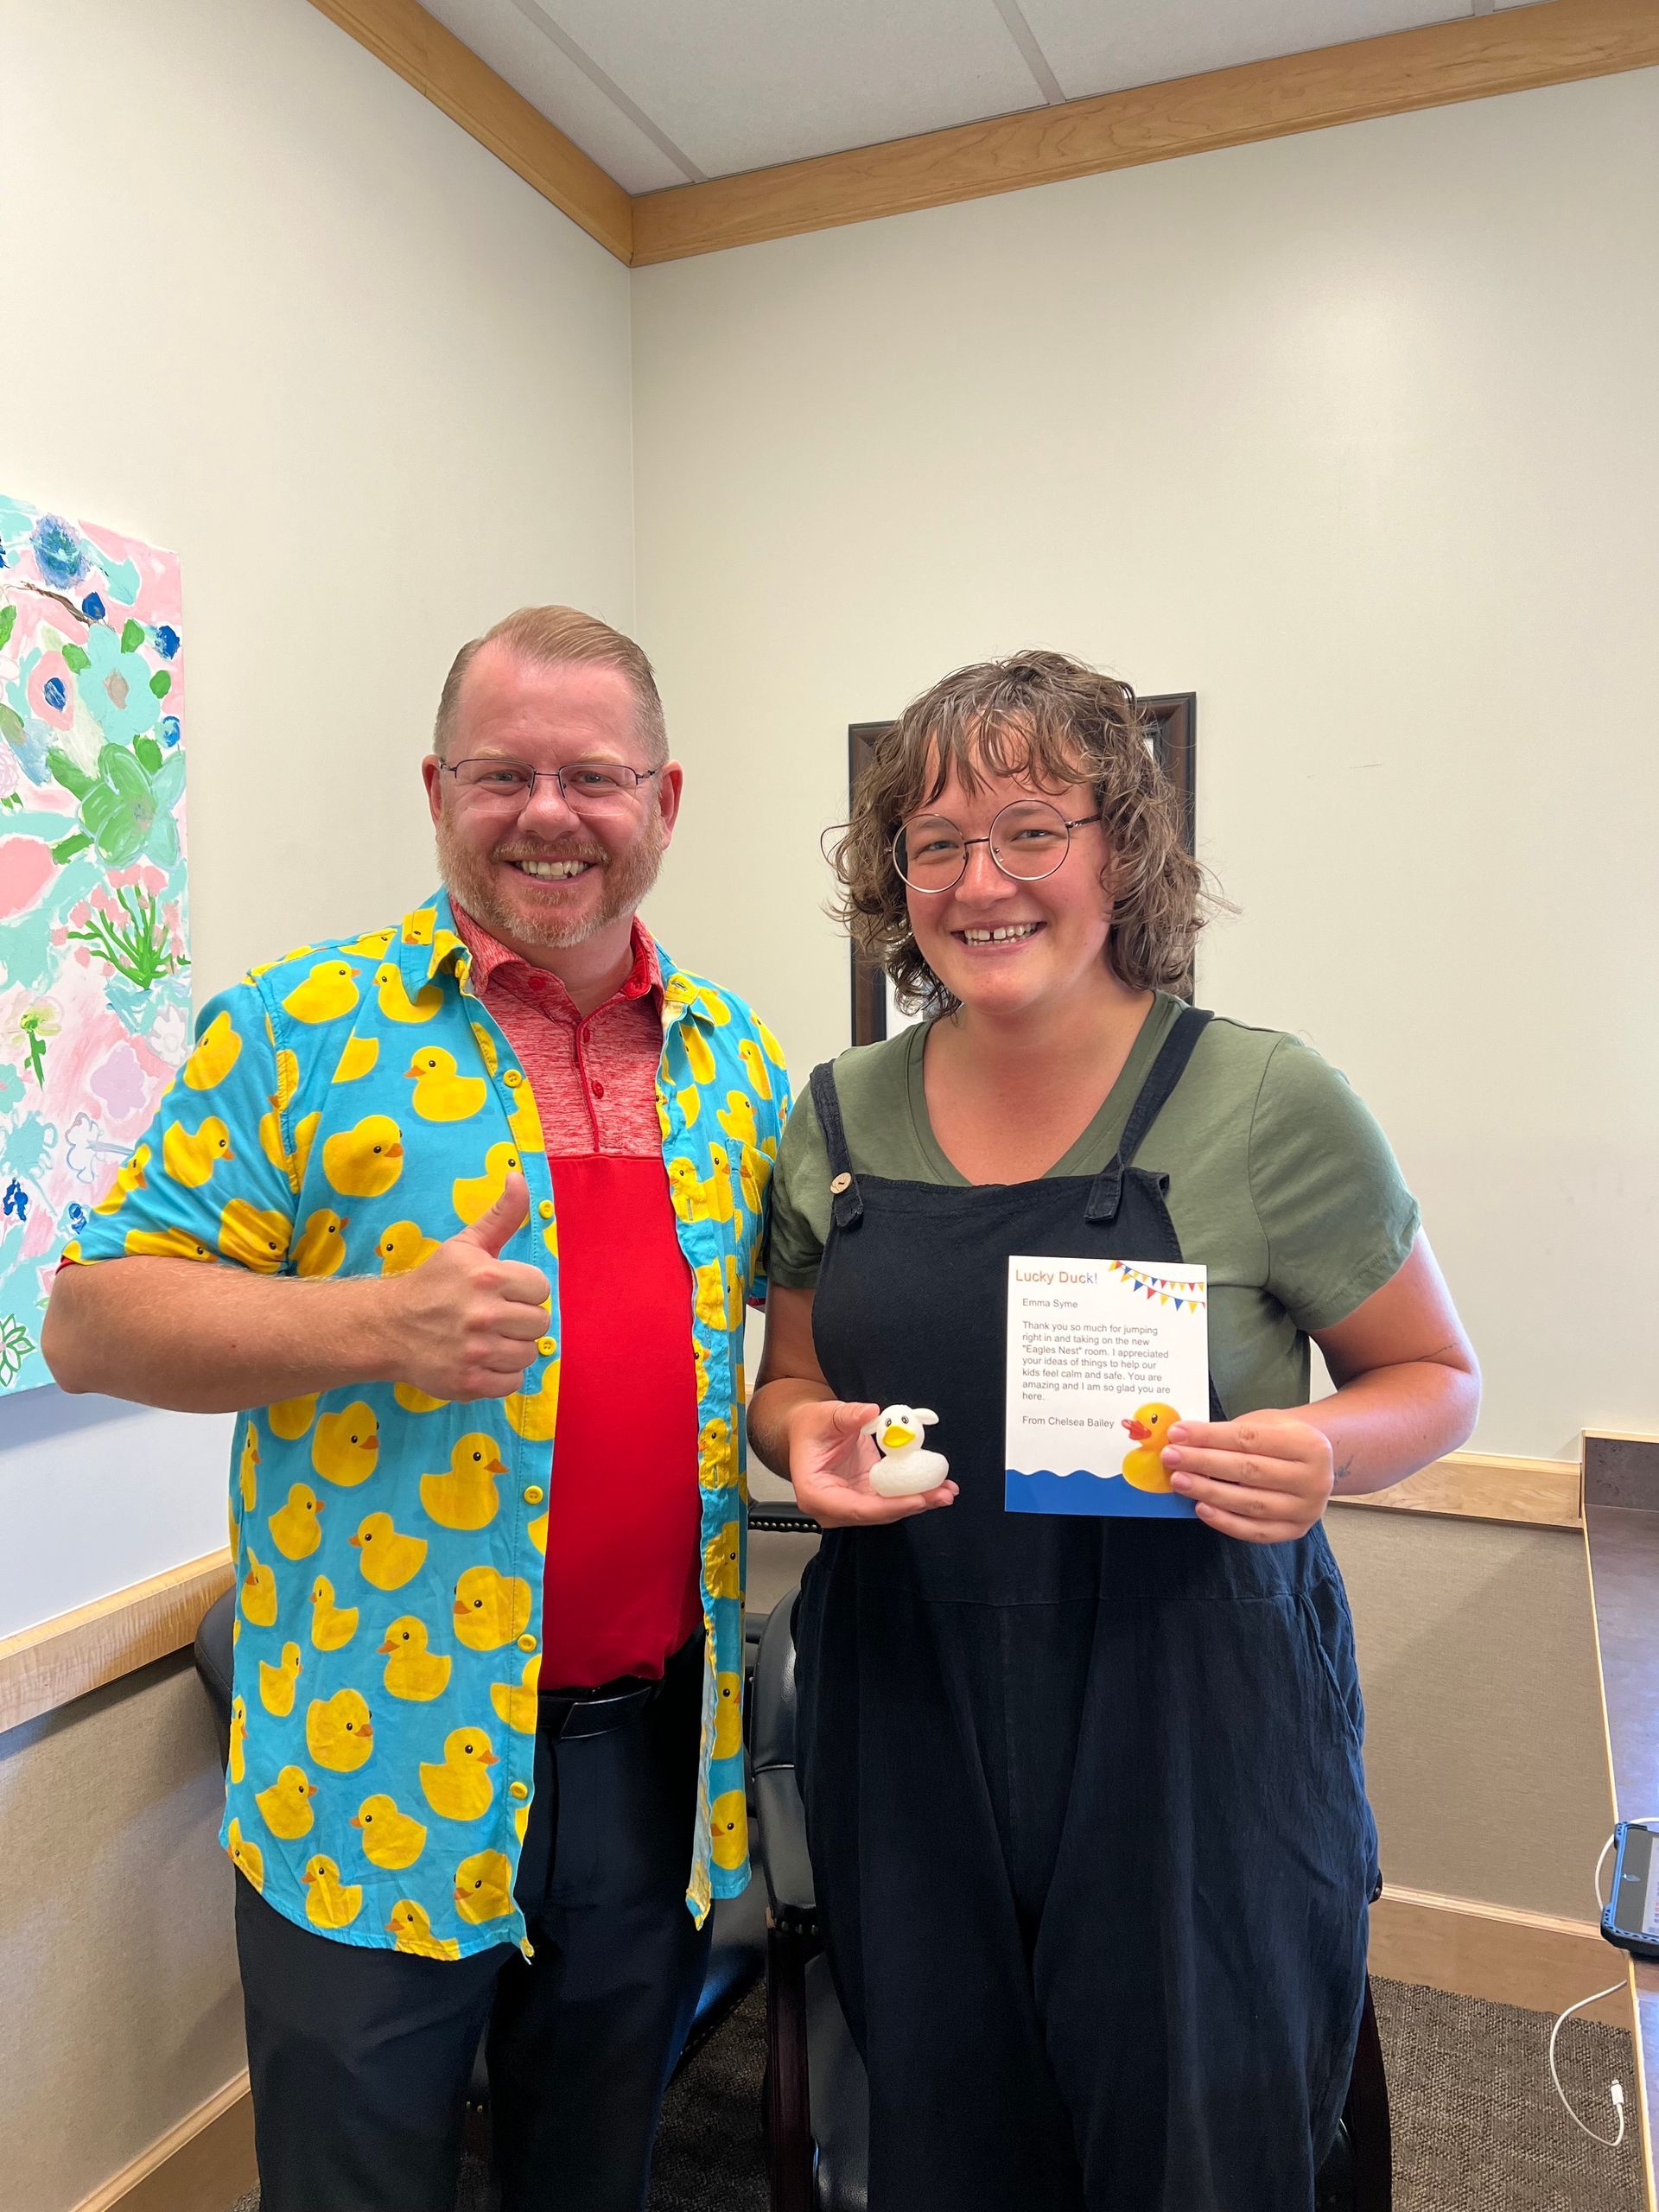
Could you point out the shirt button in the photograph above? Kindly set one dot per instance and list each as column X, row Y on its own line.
column 518, row 1790
column 512, row 1078
column 526, row 1644
column 598, row 1090
column 546, row 1346
column 534, row 1495
column 545, row 1209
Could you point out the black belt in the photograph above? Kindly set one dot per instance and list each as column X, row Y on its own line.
column 567, row 1714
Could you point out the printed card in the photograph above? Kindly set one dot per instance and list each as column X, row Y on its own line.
column 1105, row 1357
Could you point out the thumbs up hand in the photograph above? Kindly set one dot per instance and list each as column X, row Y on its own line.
column 465, row 1323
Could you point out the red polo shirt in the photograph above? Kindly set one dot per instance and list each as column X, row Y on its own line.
column 622, row 1583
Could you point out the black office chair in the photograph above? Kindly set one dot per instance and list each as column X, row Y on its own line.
column 737, row 1954
column 817, row 2095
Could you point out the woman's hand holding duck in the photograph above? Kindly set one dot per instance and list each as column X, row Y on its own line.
column 830, row 1455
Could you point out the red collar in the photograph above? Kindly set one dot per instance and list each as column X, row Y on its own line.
column 494, row 963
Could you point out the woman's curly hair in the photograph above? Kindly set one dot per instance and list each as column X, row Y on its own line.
column 1054, row 720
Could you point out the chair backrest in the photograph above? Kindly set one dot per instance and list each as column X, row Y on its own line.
column 213, row 1655
column 772, row 1715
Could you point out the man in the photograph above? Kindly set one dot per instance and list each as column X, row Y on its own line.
column 486, row 1190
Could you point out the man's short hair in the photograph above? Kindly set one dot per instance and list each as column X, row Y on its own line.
column 551, row 635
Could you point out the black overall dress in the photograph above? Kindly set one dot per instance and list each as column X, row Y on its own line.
column 1084, row 1796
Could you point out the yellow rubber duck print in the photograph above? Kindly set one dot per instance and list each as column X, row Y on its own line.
column 720, row 1564
column 535, row 1413
column 276, row 1684
column 736, row 1117
column 486, row 1050
column 339, row 1731
column 216, row 1054
column 459, row 1787
column 236, row 1765
column 190, row 1156
column 716, row 1454
column 247, row 1858
column 395, row 1002
column 728, row 1820
column 754, row 1067
column 709, row 1295
column 165, row 1244
column 253, row 1238
column 289, row 1418
column 483, row 1887
column 690, row 1102
column 699, row 1059
column 1143, row 1465
column 258, row 1593
column 329, row 1902
column 295, row 1528
column 526, row 1121
column 374, row 945
column 290, row 1165
column 416, row 1401
column 466, row 1497
column 328, row 991
column 754, row 1174
column 413, row 1673
column 347, row 1444
column 322, row 1242
column 413, row 1929
column 442, row 1095
column 729, row 1716
column 536, row 1531
column 247, row 1473
column 475, row 1195
column 333, row 1626
column 286, row 1806
column 490, row 1609
column 387, row 1559
column 717, row 1191
column 357, row 1061
column 365, row 1162
column 774, row 1051
column 129, row 1178
column 391, row 1840
column 686, row 1189
column 516, row 1703
column 403, row 1247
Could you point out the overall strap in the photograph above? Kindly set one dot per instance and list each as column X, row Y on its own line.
column 1165, row 1073
column 845, row 1205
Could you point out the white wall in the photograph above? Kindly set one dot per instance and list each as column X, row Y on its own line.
column 271, row 308
column 1353, row 434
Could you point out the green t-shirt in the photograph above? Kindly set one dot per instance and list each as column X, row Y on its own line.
column 1281, row 1184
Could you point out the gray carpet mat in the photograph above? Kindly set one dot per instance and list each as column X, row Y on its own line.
column 1477, row 2127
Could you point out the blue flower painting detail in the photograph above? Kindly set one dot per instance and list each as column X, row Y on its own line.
column 94, row 960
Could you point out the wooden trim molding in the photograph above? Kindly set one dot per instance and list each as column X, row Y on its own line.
column 433, row 60
column 1496, row 1952
column 45, row 1666
column 1517, row 50
column 1472, row 1486
column 203, row 2165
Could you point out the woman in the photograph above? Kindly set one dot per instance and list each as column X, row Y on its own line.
column 1084, row 1796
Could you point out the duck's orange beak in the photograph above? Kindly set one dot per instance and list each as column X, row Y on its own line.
column 1138, row 1430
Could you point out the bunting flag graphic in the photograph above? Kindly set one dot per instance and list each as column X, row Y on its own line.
column 1181, row 1290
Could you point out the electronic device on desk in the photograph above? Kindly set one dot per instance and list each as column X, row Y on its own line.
column 1631, row 1917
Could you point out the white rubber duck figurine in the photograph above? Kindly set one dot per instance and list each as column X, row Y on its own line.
column 904, row 1468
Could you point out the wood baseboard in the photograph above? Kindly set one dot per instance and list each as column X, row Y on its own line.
column 1477, row 1486
column 1497, row 1953
column 201, row 2165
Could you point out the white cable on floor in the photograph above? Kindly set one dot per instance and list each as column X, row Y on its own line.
column 1616, row 2093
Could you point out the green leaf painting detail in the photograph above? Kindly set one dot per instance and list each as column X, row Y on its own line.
column 16, row 1345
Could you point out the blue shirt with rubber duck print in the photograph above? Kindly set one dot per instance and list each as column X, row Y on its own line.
column 387, row 1545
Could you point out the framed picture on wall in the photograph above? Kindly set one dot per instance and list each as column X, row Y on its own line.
column 1171, row 737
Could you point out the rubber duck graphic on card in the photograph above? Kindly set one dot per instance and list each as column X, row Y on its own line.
column 1104, row 1357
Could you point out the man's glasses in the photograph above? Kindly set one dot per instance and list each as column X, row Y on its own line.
column 586, row 787
column 1028, row 840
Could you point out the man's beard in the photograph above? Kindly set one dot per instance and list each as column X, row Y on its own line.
column 471, row 884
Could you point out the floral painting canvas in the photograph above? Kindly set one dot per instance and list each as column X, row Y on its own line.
column 94, row 965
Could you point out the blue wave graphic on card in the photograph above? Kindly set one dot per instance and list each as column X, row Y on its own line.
column 1080, row 1492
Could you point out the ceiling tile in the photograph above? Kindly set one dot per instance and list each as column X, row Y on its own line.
column 1104, row 46
column 501, row 35
column 739, row 84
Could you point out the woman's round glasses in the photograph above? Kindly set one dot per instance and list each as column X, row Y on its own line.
column 586, row 786
column 1028, row 840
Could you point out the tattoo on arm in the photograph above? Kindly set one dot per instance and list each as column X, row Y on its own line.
column 1343, row 1471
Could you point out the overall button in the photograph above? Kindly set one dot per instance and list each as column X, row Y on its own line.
column 546, row 1346
column 534, row 1495
column 545, row 1209
column 840, row 1183
column 518, row 1790
column 526, row 1644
